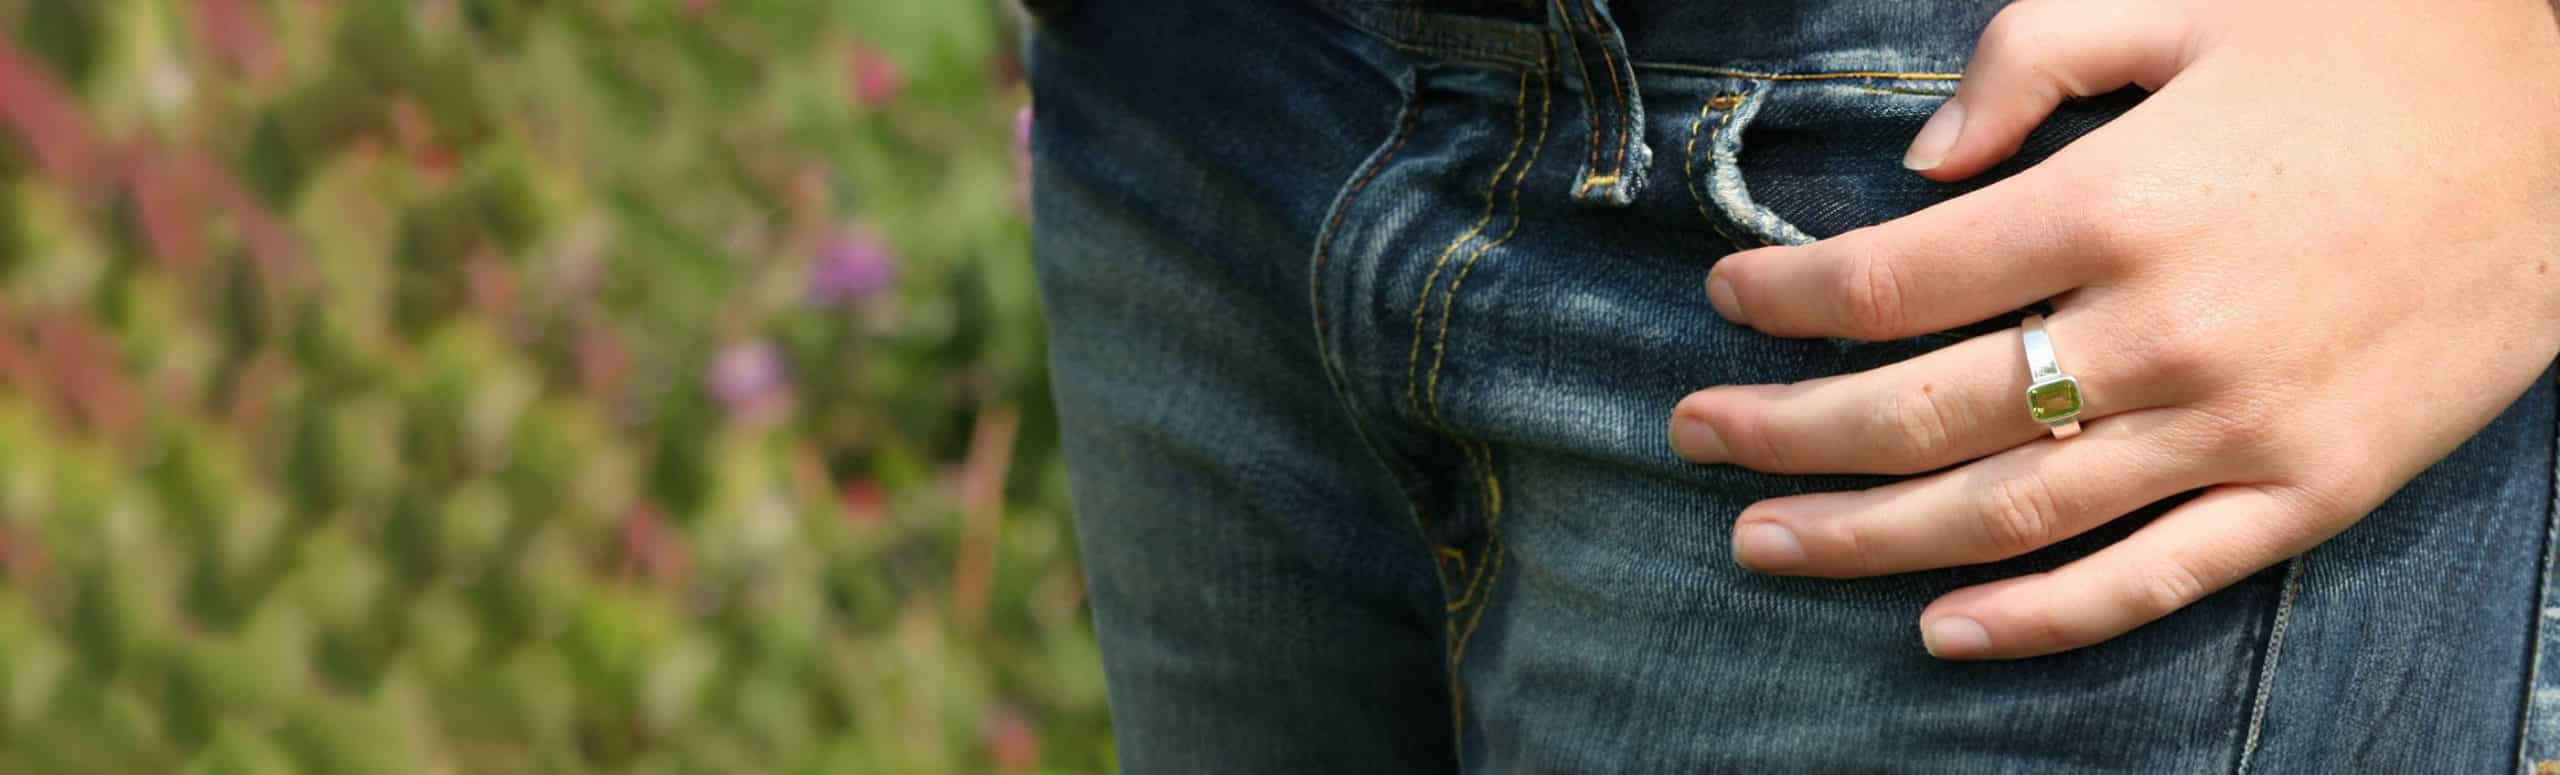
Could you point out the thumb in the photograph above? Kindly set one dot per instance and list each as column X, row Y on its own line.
column 2035, row 54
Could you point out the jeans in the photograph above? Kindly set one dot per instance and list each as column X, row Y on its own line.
column 1368, row 317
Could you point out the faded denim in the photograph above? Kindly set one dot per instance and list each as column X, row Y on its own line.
column 1368, row 317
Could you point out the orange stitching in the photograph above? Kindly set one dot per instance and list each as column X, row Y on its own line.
column 1492, row 188
column 1324, row 249
column 1324, row 253
column 1616, row 90
column 1730, row 101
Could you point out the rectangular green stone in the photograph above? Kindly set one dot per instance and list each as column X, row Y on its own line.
column 2055, row 401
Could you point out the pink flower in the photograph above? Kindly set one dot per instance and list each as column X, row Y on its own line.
column 750, row 377
column 1022, row 154
column 865, row 504
column 877, row 80
column 1012, row 741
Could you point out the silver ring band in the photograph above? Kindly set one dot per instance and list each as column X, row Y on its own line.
column 2053, row 398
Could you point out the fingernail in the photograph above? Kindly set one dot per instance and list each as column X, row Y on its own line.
column 1767, row 547
column 1955, row 637
column 1695, row 440
column 1720, row 295
column 1936, row 139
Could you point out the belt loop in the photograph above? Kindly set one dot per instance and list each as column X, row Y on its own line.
column 1614, row 169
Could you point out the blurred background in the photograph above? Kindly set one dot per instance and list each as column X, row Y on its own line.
column 496, row 386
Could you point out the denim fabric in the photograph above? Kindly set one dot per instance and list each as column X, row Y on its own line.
column 1368, row 317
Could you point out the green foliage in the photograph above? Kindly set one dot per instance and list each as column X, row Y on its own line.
column 501, row 386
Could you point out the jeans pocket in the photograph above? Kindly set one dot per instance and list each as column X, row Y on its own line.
column 1774, row 159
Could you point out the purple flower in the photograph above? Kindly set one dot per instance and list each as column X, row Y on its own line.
column 749, row 376
column 852, row 267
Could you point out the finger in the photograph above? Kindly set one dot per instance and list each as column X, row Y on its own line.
column 2032, row 56
column 2194, row 550
column 2004, row 506
column 1957, row 404
column 2011, row 244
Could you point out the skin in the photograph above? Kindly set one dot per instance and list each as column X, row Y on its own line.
column 2314, row 262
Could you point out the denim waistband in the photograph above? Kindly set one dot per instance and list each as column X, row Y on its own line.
column 1772, row 36
column 1596, row 47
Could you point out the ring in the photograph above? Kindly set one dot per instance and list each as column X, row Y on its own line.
column 2053, row 398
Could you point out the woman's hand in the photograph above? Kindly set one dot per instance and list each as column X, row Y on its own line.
column 2317, row 259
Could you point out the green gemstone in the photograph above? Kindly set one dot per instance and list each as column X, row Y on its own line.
column 2050, row 402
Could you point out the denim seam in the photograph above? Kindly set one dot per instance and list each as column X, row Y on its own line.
column 1476, row 466
column 2526, row 748
column 1490, row 569
column 1727, row 188
column 1448, row 301
column 1479, row 455
column 1406, row 119
column 2290, row 591
column 1492, row 189
column 1730, row 103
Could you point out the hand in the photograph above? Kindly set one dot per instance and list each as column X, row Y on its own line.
column 2316, row 260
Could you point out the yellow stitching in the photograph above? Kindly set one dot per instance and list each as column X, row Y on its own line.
column 1449, row 301
column 1479, row 456
column 1475, row 581
column 1459, row 558
column 1616, row 90
column 1493, row 483
column 1695, row 195
column 1405, row 121
column 1725, row 101
column 1458, row 654
column 1883, row 90
column 1590, row 109
column 1731, row 73
column 1492, row 188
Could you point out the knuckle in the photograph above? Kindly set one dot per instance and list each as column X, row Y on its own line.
column 1862, row 549
column 2237, row 423
column 1755, row 442
column 2165, row 587
column 1920, row 426
column 2009, row 28
column 2049, row 629
column 1873, row 307
column 2018, row 515
column 2172, row 352
column 2118, row 218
